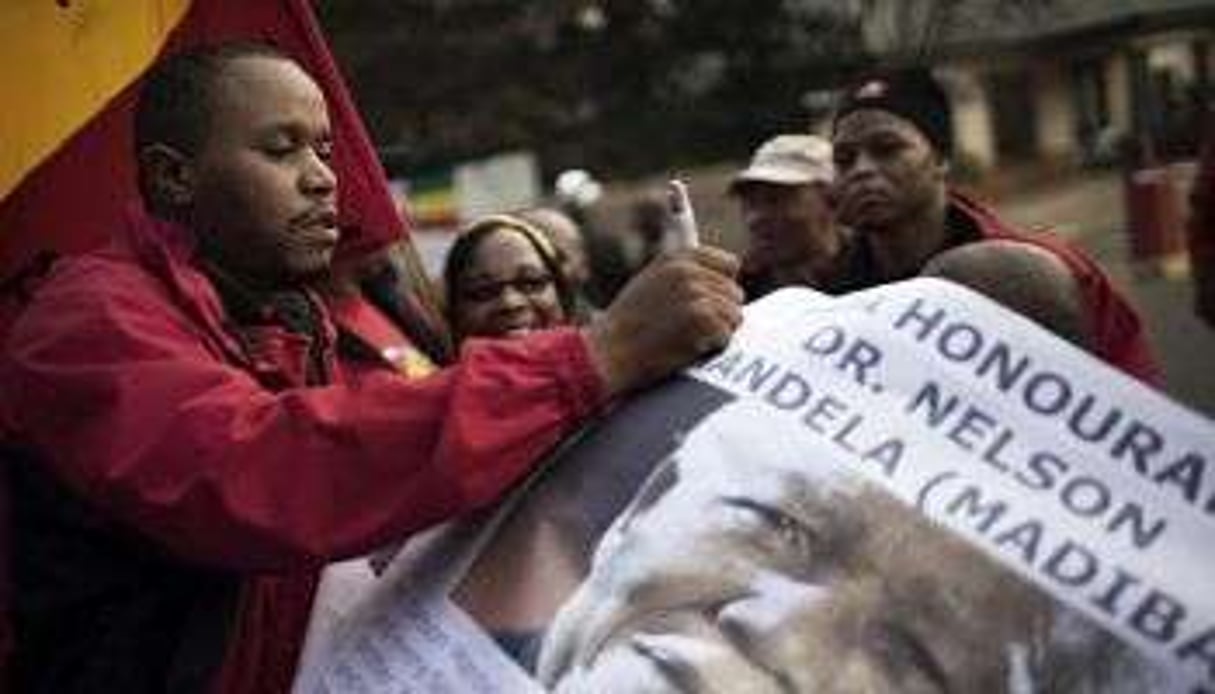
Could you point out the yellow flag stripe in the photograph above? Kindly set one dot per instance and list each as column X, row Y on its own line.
column 61, row 61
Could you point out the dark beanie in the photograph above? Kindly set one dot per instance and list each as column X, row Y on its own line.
column 910, row 93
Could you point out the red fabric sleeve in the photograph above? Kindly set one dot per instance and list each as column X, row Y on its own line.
column 134, row 410
column 1119, row 332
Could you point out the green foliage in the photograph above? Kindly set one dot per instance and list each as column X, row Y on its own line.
column 617, row 86
column 621, row 86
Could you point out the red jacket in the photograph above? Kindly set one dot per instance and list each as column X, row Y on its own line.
column 1119, row 336
column 1201, row 228
column 124, row 378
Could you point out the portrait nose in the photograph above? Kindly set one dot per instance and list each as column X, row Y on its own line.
column 771, row 605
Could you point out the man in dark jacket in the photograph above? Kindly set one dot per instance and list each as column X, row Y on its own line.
column 893, row 137
column 185, row 452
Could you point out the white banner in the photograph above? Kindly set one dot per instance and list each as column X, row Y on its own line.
column 738, row 530
column 1064, row 469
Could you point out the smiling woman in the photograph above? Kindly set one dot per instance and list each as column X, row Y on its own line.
column 503, row 278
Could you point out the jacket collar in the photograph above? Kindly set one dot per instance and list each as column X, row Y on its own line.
column 170, row 252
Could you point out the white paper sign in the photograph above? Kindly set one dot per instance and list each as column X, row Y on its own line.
column 1071, row 473
column 743, row 527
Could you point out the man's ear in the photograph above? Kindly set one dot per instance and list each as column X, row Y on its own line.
column 166, row 176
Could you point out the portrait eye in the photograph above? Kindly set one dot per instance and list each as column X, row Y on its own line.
column 794, row 534
column 789, row 531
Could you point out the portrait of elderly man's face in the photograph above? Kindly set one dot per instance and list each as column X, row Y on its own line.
column 790, row 576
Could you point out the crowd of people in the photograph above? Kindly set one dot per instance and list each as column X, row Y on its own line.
column 202, row 415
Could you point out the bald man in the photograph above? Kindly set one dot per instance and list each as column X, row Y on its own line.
column 1022, row 277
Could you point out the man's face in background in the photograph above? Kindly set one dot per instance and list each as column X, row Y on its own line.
column 786, row 224
column 783, row 578
column 887, row 172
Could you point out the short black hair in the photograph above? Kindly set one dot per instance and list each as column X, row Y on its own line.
column 174, row 106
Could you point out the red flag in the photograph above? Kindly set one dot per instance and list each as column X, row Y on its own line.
column 73, row 199
column 67, row 196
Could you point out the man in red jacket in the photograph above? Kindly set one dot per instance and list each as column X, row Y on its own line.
column 185, row 452
column 893, row 138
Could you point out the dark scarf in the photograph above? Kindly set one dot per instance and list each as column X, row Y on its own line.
column 294, row 309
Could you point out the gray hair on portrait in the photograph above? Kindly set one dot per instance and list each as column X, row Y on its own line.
column 1080, row 657
column 889, row 566
column 1063, row 650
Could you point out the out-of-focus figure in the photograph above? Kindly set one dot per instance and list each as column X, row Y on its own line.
column 576, row 192
column 648, row 222
column 785, row 197
column 571, row 244
column 1021, row 277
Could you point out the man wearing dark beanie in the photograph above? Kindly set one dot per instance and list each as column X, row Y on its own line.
column 893, row 139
